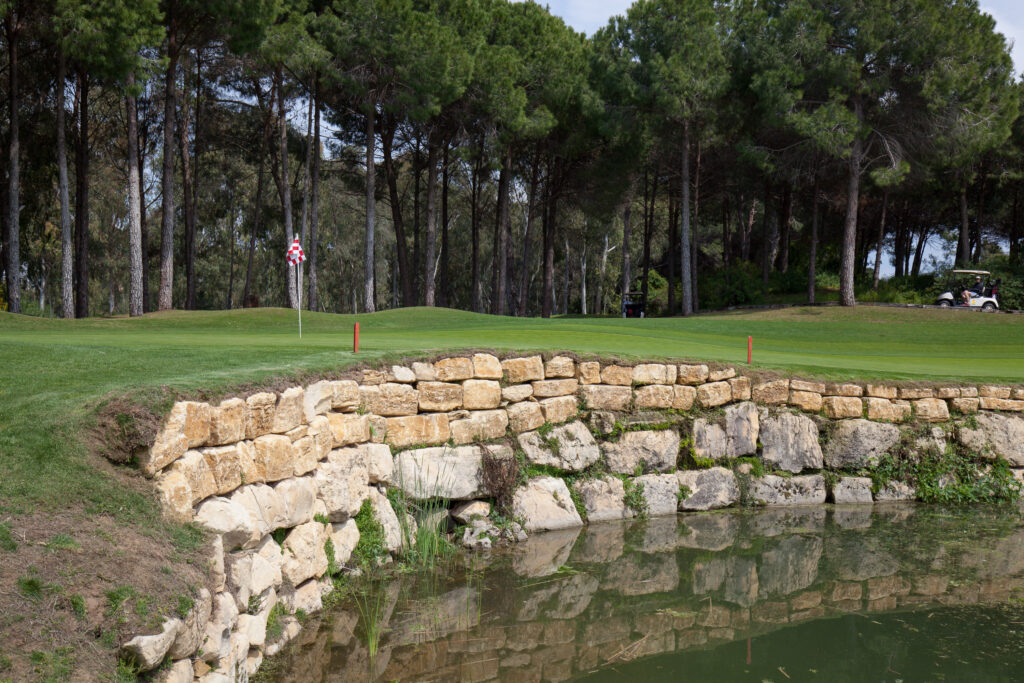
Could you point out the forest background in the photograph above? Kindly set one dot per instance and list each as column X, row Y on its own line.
column 480, row 154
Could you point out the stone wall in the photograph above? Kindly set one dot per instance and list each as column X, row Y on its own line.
column 300, row 464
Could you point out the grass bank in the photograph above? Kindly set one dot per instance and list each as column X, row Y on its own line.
column 53, row 374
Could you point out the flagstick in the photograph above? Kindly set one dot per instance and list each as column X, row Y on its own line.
column 298, row 284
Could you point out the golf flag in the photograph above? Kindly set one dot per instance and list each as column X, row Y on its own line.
column 295, row 256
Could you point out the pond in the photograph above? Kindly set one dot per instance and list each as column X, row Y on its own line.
column 903, row 593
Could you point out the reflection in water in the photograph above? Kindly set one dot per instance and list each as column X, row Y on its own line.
column 905, row 593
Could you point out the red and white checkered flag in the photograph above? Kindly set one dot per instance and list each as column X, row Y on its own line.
column 295, row 254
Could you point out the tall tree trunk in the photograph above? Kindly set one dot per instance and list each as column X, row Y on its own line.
column 531, row 210
column 747, row 229
column 314, row 207
column 369, row 301
column 766, row 237
column 257, row 218
column 1015, row 226
column 307, row 175
column 568, row 278
column 963, row 248
column 164, row 296
column 417, row 223
column 878, row 242
column 284, row 186
column 786, row 220
column 475, row 181
column 405, row 272
column 673, row 236
column 598, row 295
column 446, row 282
column 187, row 194
column 82, row 199
column 812, row 258
column 430, row 243
column 978, row 224
column 648, row 232
column 922, row 241
column 627, row 212
column 67, row 287
column 134, row 205
column 228, row 303
column 846, row 294
column 13, row 265
column 501, row 229
column 549, row 246
column 143, row 225
column 685, row 267
column 583, row 279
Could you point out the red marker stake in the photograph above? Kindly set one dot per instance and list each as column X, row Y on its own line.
column 750, row 347
column 355, row 339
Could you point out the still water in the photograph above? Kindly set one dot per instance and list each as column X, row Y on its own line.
column 908, row 593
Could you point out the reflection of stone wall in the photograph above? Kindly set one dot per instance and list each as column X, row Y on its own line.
column 644, row 598
column 305, row 460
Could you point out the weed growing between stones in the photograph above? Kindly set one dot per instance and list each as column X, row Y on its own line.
column 953, row 477
column 501, row 476
column 372, row 603
column 275, row 625
column 683, row 493
column 370, row 550
column 757, row 468
column 634, row 497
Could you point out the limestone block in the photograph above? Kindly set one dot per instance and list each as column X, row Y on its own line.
column 741, row 389
column 323, row 439
column 992, row 391
column 544, row 504
column 187, row 426
column 790, row 442
column 401, row 375
column 223, row 618
column 845, row 390
column 807, row 401
column 391, row 399
column 424, row 372
column 721, row 374
column 773, row 490
column 880, row 409
column 560, row 366
column 859, row 443
column 655, row 396
column 229, row 519
column 911, row 393
column 480, row 394
column 463, row 513
column 486, row 366
column 838, row 407
column 346, row 396
column 902, row 408
column 965, row 405
column 298, row 495
column 169, row 445
column 559, row 409
column 254, row 628
column 441, row 472
column 347, row 429
column 274, row 456
column 570, row 447
column 453, row 369
column 380, row 464
column 617, row 375
column 393, row 534
column 264, row 506
column 601, row 397
column 709, row 489
column 519, row 370
column 947, row 392
column 516, row 393
column 344, row 537
column 771, row 393
column 525, row 416
column 654, row 373
column 317, row 399
column 197, row 473
column 225, row 463
column 374, row 377
column 652, row 451
column 852, row 490
column 259, row 414
column 299, row 432
column 995, row 436
column 805, row 385
column 931, row 410
column 227, row 422
column 713, row 394
column 306, row 597
column 180, row 671
column 1018, row 394
column 288, row 412
column 343, row 482
column 881, row 391
column 709, row 440
column 149, row 651
column 439, row 396
column 1005, row 404
column 482, row 425
column 175, row 495
column 895, row 491
column 554, row 387
column 742, row 424
column 683, row 397
column 303, row 549
column 603, row 499
column 193, row 628
column 692, row 374
column 589, row 372
column 661, row 493
column 424, row 429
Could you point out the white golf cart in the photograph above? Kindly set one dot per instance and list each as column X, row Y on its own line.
column 970, row 289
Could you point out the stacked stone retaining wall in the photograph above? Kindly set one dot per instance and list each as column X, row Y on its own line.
column 296, row 467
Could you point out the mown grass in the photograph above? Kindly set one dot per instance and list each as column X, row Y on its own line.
column 53, row 372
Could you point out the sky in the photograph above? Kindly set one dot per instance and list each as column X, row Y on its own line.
column 589, row 15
